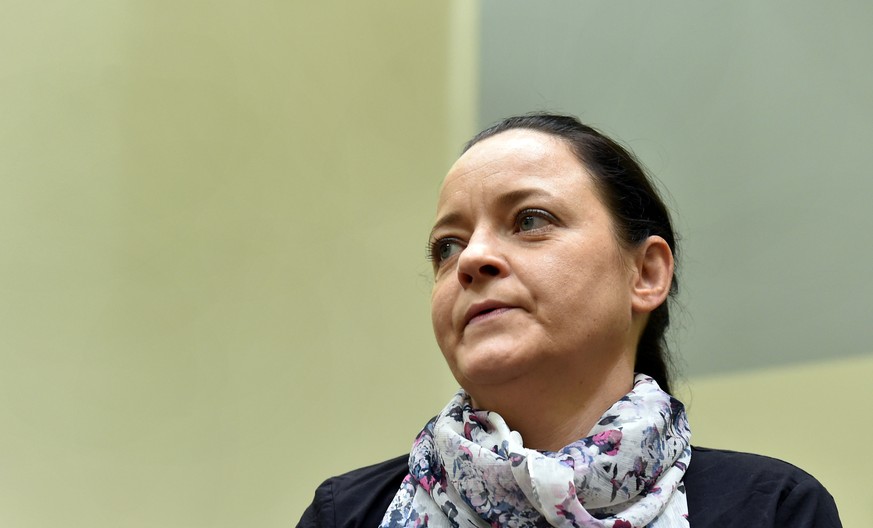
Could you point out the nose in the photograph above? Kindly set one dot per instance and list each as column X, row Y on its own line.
column 481, row 260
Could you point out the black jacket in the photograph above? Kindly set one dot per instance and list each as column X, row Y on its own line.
column 724, row 489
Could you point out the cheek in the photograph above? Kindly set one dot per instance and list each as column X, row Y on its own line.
column 441, row 314
column 580, row 284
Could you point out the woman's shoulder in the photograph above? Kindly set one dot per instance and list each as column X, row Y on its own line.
column 356, row 498
column 705, row 461
column 729, row 488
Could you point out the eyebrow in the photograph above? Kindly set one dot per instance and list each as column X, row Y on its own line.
column 507, row 199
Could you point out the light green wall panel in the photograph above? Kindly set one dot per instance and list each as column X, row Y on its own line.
column 213, row 291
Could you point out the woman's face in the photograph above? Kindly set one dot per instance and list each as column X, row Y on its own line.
column 530, row 280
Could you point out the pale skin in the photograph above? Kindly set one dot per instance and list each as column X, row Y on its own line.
column 537, row 305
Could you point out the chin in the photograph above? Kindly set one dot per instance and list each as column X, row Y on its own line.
column 490, row 364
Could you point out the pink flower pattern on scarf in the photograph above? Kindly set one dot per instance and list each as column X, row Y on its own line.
column 467, row 468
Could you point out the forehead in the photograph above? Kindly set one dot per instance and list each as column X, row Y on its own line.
column 513, row 160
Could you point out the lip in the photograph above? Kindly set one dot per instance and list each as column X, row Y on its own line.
column 483, row 308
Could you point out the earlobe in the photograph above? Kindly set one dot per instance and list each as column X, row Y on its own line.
column 654, row 274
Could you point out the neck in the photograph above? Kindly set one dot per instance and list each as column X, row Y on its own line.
column 552, row 414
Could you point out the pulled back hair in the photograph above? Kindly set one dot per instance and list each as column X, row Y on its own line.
column 637, row 210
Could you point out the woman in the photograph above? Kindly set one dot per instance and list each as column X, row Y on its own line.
column 554, row 260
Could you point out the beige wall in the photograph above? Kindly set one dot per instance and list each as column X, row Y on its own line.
column 213, row 219
column 815, row 416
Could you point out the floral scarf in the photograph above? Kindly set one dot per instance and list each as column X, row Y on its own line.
column 467, row 468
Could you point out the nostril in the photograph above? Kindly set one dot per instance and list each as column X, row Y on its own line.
column 474, row 270
column 489, row 269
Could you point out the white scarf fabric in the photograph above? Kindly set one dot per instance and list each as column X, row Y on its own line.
column 467, row 468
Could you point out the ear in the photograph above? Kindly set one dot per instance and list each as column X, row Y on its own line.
column 654, row 274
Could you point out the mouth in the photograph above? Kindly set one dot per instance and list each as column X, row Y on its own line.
column 485, row 310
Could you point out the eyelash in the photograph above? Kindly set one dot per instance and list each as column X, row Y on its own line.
column 432, row 250
column 539, row 213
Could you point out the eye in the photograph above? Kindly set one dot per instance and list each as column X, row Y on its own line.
column 444, row 249
column 533, row 219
